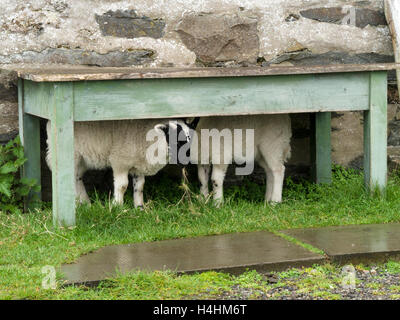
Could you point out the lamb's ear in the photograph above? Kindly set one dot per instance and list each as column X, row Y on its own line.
column 192, row 122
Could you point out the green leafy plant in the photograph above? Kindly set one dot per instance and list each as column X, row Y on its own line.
column 13, row 188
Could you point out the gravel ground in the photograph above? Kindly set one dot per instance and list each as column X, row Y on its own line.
column 373, row 284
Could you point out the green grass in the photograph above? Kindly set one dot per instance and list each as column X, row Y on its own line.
column 392, row 267
column 28, row 241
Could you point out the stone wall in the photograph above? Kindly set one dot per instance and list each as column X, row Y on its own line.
column 184, row 33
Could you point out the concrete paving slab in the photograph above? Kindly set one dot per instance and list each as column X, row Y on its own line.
column 262, row 251
column 355, row 243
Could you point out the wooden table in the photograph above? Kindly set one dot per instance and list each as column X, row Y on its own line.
column 91, row 94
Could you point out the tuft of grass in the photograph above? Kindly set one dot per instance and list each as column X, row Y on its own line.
column 393, row 267
column 374, row 286
column 291, row 274
column 298, row 242
column 395, row 289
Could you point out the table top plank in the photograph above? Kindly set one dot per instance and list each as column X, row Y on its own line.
column 84, row 73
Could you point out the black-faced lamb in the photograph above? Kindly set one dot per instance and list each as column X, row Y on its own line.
column 270, row 148
column 139, row 147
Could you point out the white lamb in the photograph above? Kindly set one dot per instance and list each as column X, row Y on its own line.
column 122, row 146
column 272, row 134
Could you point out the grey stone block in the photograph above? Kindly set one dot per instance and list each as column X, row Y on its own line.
column 127, row 24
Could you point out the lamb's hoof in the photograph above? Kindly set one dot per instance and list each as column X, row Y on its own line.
column 204, row 199
column 205, row 194
column 84, row 201
column 116, row 203
column 272, row 203
column 218, row 204
column 141, row 208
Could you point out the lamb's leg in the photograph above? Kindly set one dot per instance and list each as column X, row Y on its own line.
column 217, row 179
column 80, row 169
column 138, row 184
column 120, row 184
column 275, row 175
column 203, row 172
column 269, row 182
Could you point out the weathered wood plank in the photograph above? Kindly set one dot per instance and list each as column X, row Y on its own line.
column 321, row 147
column 157, row 98
column 392, row 11
column 62, row 155
column 38, row 96
column 375, row 134
column 29, row 132
column 96, row 73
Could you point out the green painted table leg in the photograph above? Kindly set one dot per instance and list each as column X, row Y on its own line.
column 321, row 147
column 29, row 132
column 62, row 160
column 375, row 134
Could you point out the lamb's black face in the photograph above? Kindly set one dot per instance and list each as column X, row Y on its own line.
column 178, row 135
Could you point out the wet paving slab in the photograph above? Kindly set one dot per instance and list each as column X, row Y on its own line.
column 262, row 251
column 354, row 243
